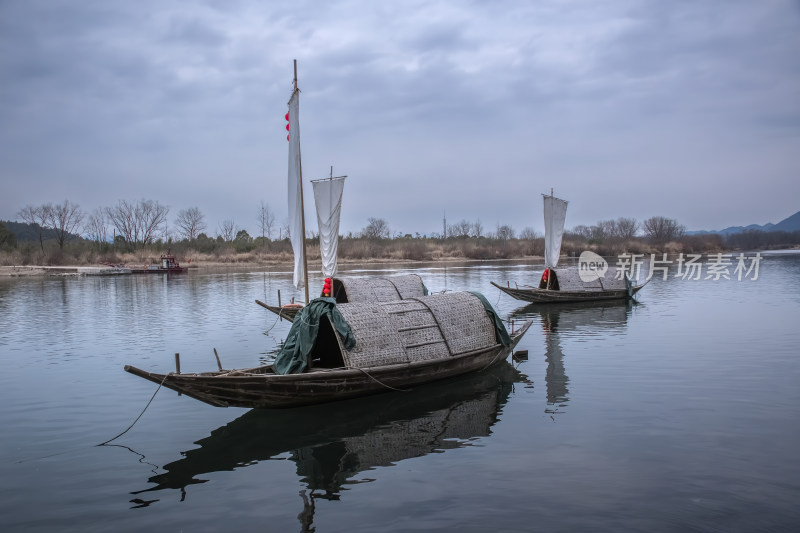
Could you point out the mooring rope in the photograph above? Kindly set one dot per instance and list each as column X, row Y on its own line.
column 140, row 414
column 370, row 376
column 273, row 324
column 496, row 355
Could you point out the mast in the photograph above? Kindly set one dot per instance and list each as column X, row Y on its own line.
column 549, row 270
column 302, row 206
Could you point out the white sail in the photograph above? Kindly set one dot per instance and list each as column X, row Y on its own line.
column 295, row 189
column 328, row 198
column 555, row 213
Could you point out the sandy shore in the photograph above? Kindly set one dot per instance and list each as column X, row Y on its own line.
column 105, row 270
column 15, row 271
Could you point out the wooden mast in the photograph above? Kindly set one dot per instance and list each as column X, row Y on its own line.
column 549, row 270
column 302, row 205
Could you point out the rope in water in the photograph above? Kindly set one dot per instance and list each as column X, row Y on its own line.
column 140, row 414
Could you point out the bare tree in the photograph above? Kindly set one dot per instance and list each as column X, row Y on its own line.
column 626, row 228
column 605, row 229
column 38, row 217
column 662, row 229
column 528, row 234
column 266, row 220
column 376, row 228
column 585, row 232
column 477, row 229
column 504, row 232
column 65, row 219
column 283, row 230
column 459, row 229
column 96, row 228
column 227, row 230
column 191, row 223
column 138, row 223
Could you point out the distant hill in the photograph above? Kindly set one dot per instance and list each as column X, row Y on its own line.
column 30, row 232
column 788, row 224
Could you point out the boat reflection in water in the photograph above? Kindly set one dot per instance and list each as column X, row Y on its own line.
column 561, row 322
column 332, row 443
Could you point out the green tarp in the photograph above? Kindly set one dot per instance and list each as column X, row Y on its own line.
column 499, row 328
column 293, row 357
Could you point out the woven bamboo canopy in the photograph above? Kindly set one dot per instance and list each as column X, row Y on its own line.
column 372, row 289
column 406, row 331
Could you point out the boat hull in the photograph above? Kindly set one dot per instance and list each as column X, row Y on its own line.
column 548, row 296
column 261, row 388
column 287, row 312
column 178, row 270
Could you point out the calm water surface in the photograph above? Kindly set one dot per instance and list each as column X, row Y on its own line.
column 680, row 413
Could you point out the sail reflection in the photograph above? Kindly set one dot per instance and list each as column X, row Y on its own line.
column 568, row 320
column 332, row 443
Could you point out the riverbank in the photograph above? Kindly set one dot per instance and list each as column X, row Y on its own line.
column 201, row 265
column 249, row 261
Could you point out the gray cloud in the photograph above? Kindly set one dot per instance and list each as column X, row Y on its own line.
column 626, row 108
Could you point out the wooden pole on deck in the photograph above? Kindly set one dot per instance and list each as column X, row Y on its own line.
column 219, row 364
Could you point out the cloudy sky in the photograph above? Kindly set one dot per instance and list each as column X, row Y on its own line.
column 686, row 109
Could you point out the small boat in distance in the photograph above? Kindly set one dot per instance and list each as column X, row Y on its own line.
column 568, row 285
column 167, row 264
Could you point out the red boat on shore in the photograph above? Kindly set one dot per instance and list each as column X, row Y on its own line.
column 167, row 264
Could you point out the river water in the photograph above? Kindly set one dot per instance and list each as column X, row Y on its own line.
column 678, row 413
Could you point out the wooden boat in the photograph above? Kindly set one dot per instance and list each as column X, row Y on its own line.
column 569, row 285
column 396, row 345
column 566, row 286
column 360, row 289
column 288, row 311
column 167, row 264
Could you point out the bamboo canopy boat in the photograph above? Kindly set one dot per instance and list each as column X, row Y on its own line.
column 341, row 351
column 337, row 351
column 567, row 285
